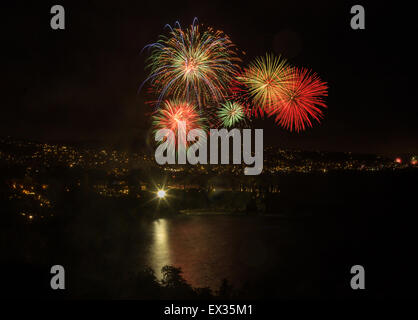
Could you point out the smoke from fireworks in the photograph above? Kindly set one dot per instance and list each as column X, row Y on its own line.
column 193, row 65
column 300, row 100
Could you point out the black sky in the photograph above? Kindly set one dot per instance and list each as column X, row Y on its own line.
column 80, row 84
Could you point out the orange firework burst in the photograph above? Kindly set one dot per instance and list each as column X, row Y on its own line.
column 300, row 101
column 173, row 112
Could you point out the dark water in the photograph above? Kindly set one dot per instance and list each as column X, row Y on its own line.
column 304, row 257
column 241, row 249
column 269, row 257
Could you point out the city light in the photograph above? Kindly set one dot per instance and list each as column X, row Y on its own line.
column 161, row 194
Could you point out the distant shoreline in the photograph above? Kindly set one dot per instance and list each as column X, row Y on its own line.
column 204, row 212
column 221, row 212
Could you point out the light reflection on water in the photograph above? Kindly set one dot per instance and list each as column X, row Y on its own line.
column 210, row 248
column 159, row 250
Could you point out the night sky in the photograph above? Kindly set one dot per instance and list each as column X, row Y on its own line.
column 81, row 84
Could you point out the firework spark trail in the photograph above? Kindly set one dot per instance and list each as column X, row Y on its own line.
column 172, row 112
column 262, row 83
column 193, row 66
column 301, row 101
column 198, row 71
column 231, row 113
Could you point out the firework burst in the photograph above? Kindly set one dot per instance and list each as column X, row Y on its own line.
column 301, row 100
column 173, row 112
column 193, row 65
column 231, row 113
column 262, row 83
column 195, row 75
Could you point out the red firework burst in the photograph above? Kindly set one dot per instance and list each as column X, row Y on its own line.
column 301, row 100
column 173, row 112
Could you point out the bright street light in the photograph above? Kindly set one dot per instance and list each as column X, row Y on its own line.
column 161, row 194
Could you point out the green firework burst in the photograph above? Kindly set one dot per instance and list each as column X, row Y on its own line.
column 231, row 113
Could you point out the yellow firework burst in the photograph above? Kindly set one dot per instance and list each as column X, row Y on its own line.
column 265, row 80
